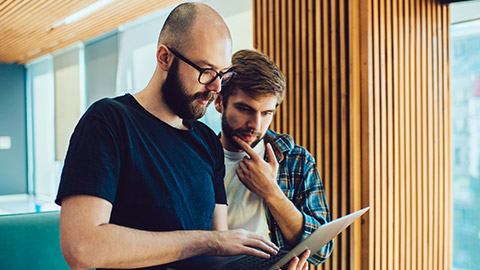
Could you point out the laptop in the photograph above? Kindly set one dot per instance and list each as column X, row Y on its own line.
column 313, row 242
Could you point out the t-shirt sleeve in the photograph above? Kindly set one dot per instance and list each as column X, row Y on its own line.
column 92, row 163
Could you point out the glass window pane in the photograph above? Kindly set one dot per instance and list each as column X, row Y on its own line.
column 465, row 107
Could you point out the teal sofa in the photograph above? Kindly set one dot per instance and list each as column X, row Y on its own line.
column 31, row 241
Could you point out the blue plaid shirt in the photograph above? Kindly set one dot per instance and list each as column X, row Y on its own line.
column 298, row 178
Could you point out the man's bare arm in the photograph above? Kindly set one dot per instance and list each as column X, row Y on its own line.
column 219, row 221
column 88, row 240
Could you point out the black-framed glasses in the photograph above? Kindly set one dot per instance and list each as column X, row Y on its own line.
column 207, row 75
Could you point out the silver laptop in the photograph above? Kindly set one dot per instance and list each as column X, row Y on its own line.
column 313, row 242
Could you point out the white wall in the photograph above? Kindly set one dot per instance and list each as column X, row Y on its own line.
column 464, row 11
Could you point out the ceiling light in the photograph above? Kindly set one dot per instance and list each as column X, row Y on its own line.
column 83, row 12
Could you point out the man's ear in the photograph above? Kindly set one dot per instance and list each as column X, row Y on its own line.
column 164, row 57
column 219, row 104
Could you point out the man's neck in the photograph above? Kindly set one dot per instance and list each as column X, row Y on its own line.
column 152, row 101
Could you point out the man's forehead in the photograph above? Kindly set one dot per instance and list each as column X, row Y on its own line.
column 211, row 46
column 265, row 100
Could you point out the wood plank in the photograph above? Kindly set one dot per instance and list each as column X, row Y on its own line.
column 446, row 134
column 383, row 141
column 358, row 241
column 290, row 72
column 414, row 145
column 430, row 144
column 285, row 62
column 326, row 114
column 263, row 46
column 377, row 137
column 269, row 36
column 343, row 123
column 296, row 131
column 408, row 68
column 311, row 94
column 303, row 64
column 434, row 138
column 389, row 180
column 318, row 89
column 401, row 134
column 276, row 48
column 441, row 143
column 424, row 138
column 397, row 135
column 367, row 133
column 335, row 129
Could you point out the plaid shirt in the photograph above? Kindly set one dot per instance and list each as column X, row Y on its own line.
column 298, row 178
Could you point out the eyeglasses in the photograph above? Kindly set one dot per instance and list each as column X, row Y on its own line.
column 207, row 75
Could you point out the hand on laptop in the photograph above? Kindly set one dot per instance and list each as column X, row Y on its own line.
column 239, row 242
column 299, row 263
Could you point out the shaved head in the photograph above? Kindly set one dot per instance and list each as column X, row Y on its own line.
column 187, row 18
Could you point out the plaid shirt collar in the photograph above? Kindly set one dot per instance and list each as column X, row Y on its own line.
column 280, row 144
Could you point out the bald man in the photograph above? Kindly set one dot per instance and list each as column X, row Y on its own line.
column 142, row 183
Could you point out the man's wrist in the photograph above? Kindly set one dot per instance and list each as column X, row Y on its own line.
column 275, row 197
column 210, row 242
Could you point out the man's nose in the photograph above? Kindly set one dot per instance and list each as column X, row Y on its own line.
column 215, row 86
column 254, row 121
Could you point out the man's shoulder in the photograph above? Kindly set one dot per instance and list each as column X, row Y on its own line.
column 108, row 108
column 287, row 146
column 284, row 142
column 110, row 103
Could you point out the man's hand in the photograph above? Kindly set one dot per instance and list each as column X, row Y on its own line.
column 258, row 175
column 299, row 263
column 237, row 242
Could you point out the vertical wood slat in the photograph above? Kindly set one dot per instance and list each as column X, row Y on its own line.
column 367, row 95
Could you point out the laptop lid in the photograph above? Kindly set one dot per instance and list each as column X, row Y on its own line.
column 313, row 242
column 321, row 236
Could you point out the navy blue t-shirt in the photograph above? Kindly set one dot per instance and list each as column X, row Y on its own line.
column 157, row 177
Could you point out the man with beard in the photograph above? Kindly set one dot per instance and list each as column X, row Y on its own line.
column 273, row 187
column 142, row 183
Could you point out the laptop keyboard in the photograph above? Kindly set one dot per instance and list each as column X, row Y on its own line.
column 252, row 262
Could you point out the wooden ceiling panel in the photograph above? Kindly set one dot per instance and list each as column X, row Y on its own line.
column 27, row 27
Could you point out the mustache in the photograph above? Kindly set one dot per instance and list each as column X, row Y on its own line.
column 205, row 95
column 249, row 131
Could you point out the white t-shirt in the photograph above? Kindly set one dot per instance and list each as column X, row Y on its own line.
column 245, row 209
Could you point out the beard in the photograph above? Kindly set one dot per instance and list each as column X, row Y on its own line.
column 228, row 131
column 177, row 99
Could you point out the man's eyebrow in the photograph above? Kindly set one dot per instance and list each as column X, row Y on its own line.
column 242, row 104
column 206, row 63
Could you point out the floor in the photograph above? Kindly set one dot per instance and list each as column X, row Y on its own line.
column 22, row 203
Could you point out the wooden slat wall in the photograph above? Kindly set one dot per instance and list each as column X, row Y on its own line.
column 368, row 95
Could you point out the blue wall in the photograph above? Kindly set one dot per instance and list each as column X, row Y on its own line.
column 13, row 162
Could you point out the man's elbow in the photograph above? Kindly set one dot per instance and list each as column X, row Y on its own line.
column 77, row 255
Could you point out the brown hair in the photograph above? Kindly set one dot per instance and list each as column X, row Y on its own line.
column 256, row 75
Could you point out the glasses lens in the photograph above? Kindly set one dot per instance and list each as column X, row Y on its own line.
column 207, row 76
column 227, row 76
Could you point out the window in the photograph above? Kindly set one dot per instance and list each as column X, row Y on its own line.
column 465, row 108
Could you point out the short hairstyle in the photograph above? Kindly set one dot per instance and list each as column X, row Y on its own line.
column 176, row 29
column 256, row 75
